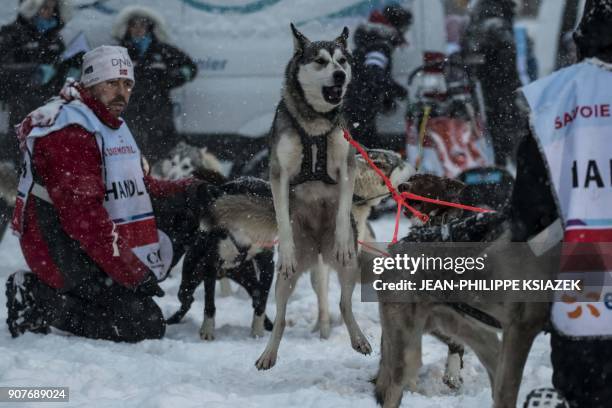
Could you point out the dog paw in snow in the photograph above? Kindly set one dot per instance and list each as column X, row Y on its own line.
column 287, row 265
column 257, row 326
column 207, row 331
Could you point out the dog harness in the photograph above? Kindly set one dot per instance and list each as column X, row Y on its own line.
column 482, row 317
column 312, row 147
column 127, row 200
column 572, row 123
column 317, row 170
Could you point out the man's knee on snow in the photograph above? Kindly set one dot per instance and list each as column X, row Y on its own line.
column 143, row 320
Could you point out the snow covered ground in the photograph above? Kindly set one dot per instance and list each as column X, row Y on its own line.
column 183, row 371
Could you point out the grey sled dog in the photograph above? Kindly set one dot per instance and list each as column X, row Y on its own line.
column 312, row 175
column 404, row 324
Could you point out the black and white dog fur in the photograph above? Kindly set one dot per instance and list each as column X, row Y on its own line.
column 215, row 253
column 185, row 160
column 223, row 251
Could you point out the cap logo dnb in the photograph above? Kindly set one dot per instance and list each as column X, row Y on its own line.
column 120, row 62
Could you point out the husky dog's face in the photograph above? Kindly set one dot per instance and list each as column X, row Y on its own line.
column 185, row 161
column 180, row 164
column 323, row 69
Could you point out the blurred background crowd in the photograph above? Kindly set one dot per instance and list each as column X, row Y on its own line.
column 435, row 80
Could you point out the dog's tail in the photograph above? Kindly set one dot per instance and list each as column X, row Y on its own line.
column 246, row 208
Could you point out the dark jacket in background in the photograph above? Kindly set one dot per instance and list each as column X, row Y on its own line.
column 489, row 51
column 150, row 111
column 372, row 89
column 24, row 50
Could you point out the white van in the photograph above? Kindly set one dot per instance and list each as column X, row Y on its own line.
column 242, row 46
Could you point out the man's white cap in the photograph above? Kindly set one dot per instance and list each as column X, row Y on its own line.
column 104, row 63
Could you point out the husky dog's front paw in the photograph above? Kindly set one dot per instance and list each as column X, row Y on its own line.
column 344, row 250
column 287, row 265
column 361, row 344
column 266, row 360
column 207, row 331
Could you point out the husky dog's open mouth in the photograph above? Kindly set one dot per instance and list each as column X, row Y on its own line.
column 333, row 94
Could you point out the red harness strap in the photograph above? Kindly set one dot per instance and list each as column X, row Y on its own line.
column 400, row 199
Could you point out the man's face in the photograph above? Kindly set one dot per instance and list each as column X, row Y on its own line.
column 47, row 9
column 114, row 94
column 138, row 27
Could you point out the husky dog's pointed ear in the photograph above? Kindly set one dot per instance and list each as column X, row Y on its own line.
column 342, row 39
column 299, row 40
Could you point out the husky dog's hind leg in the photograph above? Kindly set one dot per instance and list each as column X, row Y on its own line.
column 191, row 277
column 527, row 321
column 246, row 276
column 285, row 284
column 347, row 270
column 319, row 277
column 265, row 264
column 454, row 361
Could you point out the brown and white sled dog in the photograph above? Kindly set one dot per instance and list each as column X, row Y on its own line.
column 404, row 324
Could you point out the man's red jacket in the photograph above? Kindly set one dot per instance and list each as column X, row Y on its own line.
column 69, row 165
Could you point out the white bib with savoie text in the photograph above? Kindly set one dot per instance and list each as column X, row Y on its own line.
column 572, row 122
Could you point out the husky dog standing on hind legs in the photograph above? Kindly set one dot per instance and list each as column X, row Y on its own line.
column 312, row 174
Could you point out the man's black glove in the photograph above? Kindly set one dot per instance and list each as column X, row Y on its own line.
column 149, row 287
